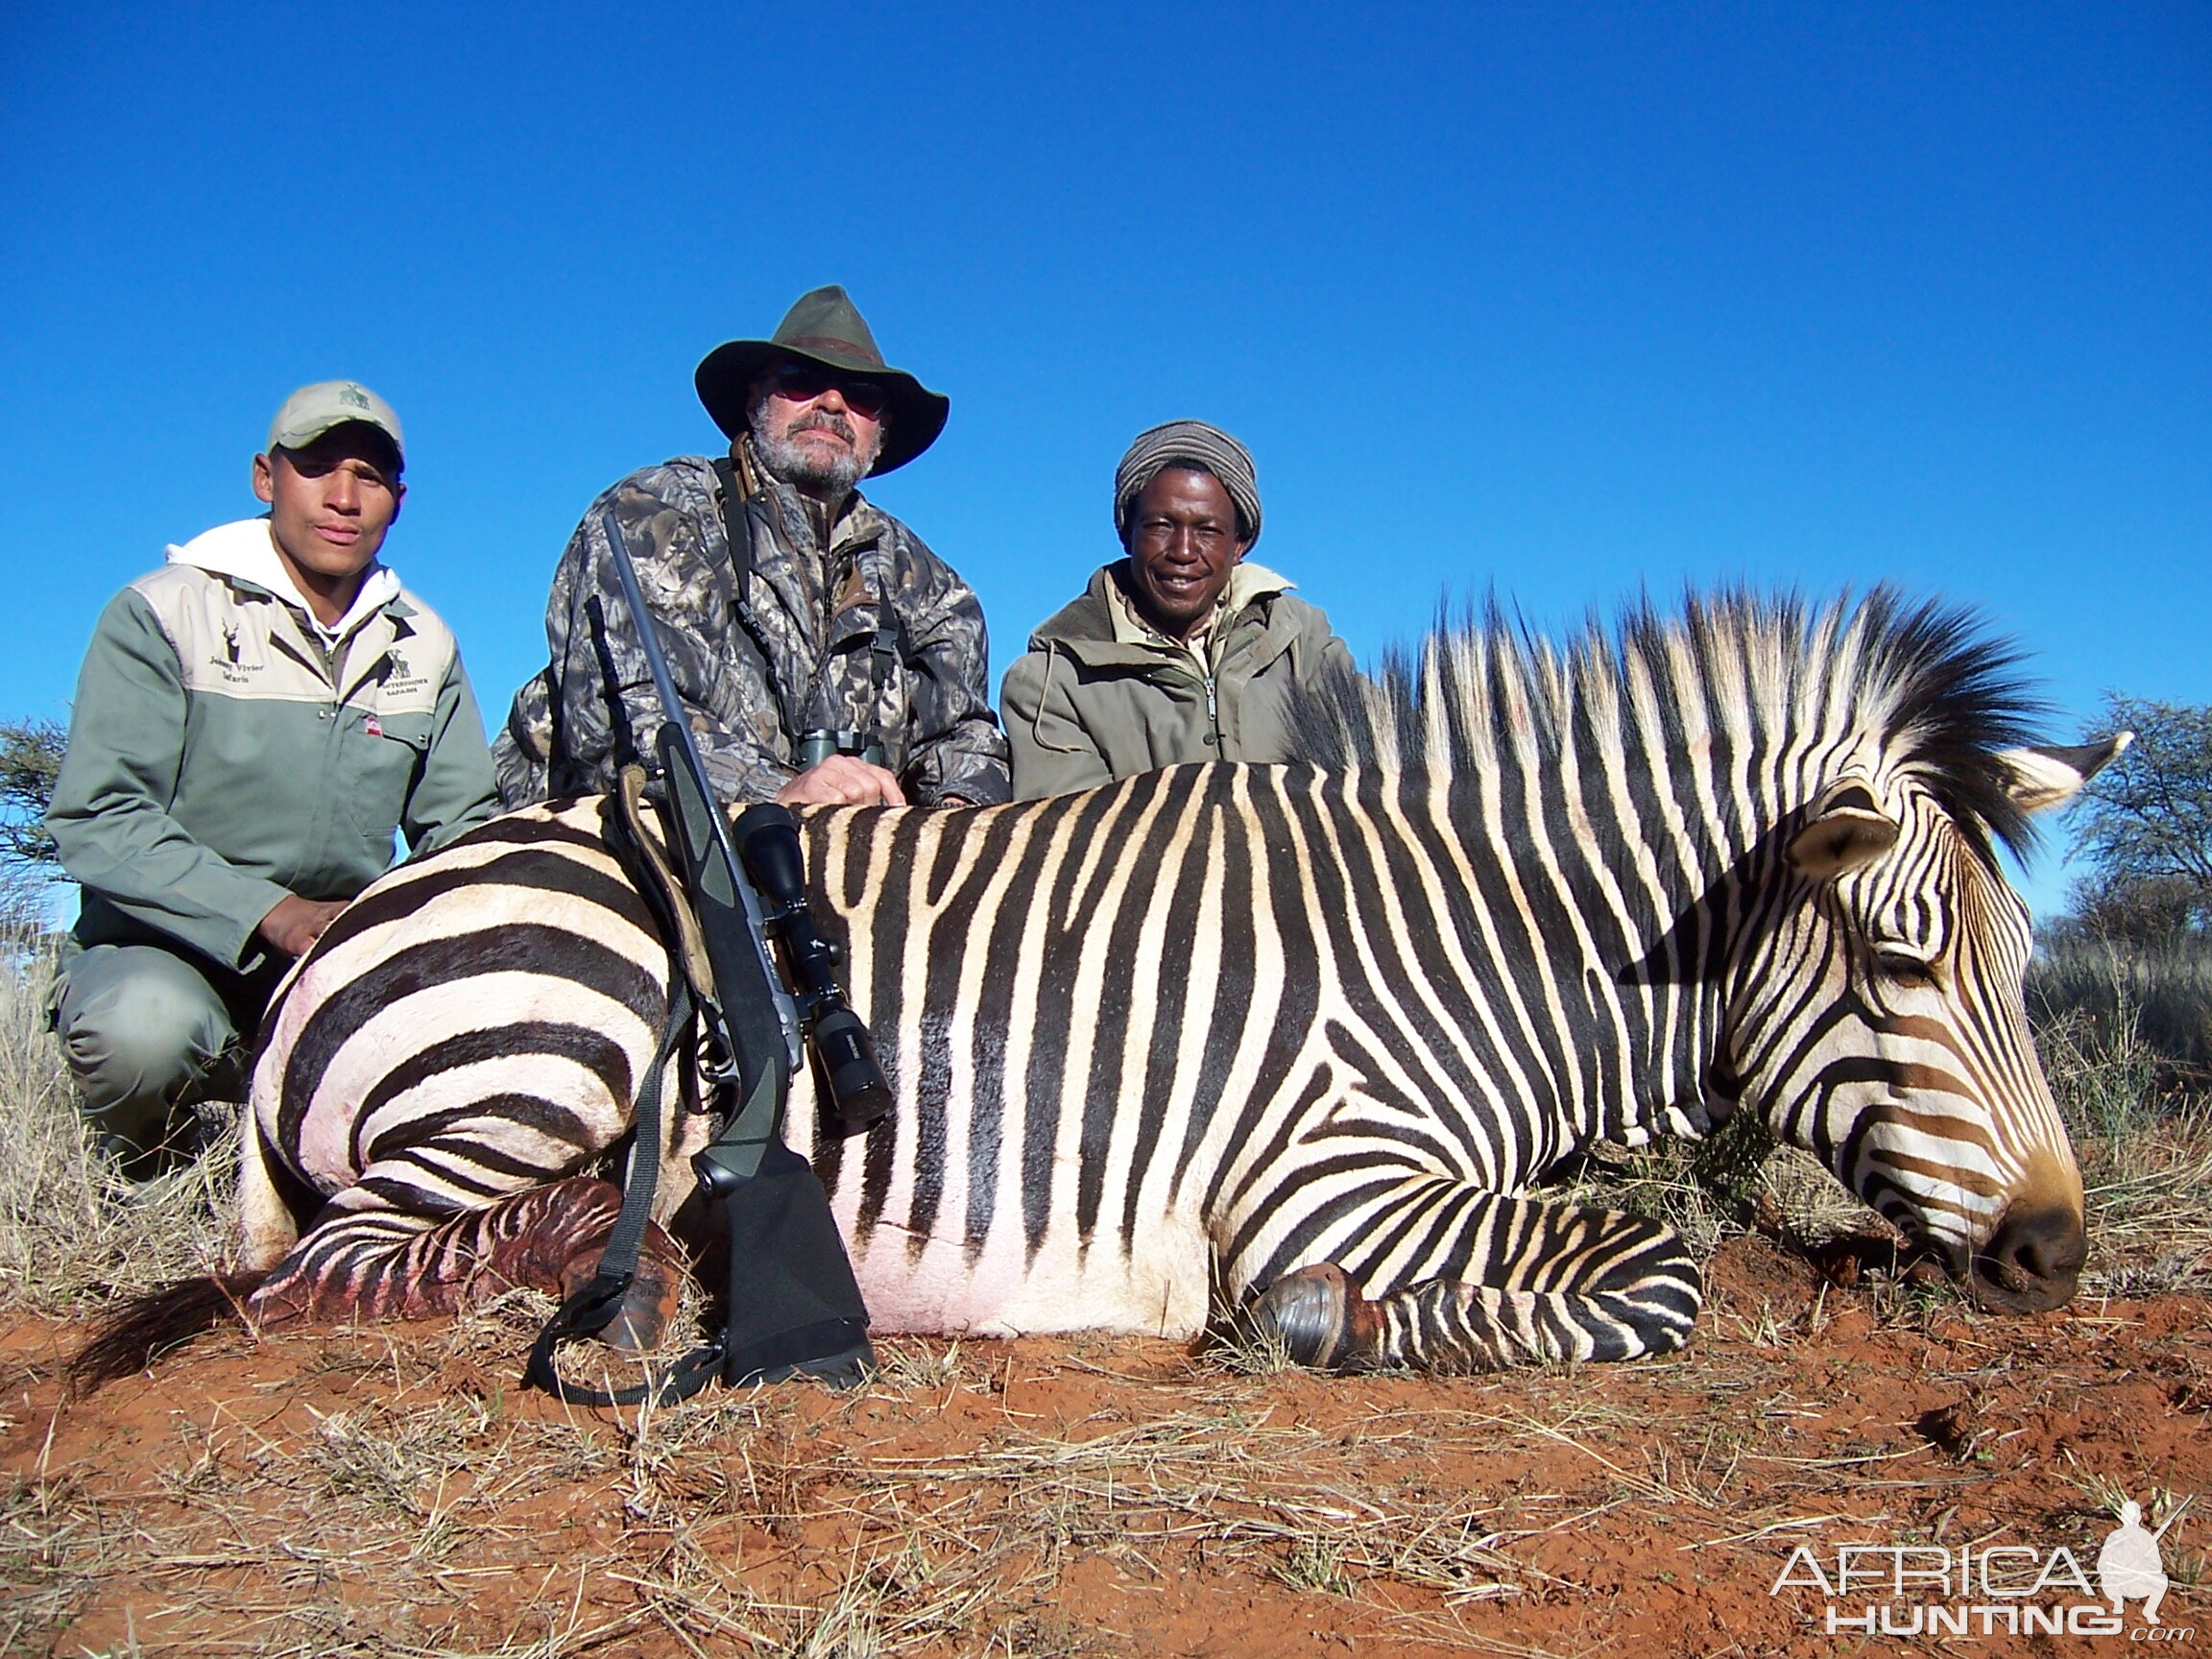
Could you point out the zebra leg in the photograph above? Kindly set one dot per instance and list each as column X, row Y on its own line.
column 268, row 1227
column 1555, row 1282
column 363, row 1258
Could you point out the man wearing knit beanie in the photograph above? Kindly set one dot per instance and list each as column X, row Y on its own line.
column 1180, row 651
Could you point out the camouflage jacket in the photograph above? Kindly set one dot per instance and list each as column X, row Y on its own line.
column 880, row 638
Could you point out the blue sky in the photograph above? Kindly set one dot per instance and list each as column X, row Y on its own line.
column 1570, row 299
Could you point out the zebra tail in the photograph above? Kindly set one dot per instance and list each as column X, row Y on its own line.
column 158, row 1322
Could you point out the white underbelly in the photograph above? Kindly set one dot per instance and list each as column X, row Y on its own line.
column 1160, row 1288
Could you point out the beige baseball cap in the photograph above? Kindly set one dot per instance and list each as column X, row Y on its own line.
column 313, row 410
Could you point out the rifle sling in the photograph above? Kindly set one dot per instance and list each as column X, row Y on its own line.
column 661, row 884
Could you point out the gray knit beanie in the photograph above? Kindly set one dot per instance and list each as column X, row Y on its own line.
column 1193, row 444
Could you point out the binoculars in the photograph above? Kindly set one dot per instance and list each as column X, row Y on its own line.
column 768, row 842
column 816, row 747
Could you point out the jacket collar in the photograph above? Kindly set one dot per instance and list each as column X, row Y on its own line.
column 855, row 518
column 246, row 552
column 1087, row 629
column 832, row 591
column 1247, row 582
column 1097, row 618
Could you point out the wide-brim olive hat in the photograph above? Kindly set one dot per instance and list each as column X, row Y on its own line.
column 825, row 328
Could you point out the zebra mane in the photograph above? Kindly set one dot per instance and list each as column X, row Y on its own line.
column 1922, row 686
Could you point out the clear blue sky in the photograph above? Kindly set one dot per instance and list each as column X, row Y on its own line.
column 1568, row 298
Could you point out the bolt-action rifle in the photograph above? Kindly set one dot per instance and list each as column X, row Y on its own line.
column 794, row 1307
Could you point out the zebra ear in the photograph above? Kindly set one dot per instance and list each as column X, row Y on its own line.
column 2048, row 776
column 1847, row 830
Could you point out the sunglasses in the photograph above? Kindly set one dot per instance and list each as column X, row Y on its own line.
column 802, row 383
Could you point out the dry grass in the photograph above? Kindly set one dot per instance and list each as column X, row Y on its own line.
column 782, row 1523
column 377, row 1503
column 72, row 1233
column 413, row 1495
column 52, row 1548
column 2146, row 1153
column 2143, row 994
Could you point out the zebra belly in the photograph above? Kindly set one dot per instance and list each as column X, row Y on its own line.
column 939, row 1285
column 938, row 1290
column 1148, row 1276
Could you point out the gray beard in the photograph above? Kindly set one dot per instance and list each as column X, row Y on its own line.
column 832, row 475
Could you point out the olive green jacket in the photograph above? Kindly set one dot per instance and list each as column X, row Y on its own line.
column 1099, row 696
column 221, row 754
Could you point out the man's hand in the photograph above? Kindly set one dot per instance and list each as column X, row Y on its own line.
column 296, row 923
column 842, row 780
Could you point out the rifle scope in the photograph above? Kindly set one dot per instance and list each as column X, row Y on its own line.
column 768, row 842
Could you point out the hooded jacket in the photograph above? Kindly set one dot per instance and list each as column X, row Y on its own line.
column 224, row 753
column 1101, row 695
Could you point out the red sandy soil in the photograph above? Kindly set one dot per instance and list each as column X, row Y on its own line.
column 390, row 1491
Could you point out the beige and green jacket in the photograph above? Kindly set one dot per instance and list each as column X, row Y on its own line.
column 223, row 752
column 1101, row 695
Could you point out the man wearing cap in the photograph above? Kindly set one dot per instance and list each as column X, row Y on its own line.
column 823, row 653
column 1182, row 650
column 253, row 723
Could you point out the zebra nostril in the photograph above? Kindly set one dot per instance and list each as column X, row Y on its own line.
column 2032, row 1261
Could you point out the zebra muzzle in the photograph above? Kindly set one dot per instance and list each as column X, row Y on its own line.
column 2032, row 1264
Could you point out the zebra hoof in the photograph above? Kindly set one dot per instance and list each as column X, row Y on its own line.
column 1319, row 1320
column 647, row 1305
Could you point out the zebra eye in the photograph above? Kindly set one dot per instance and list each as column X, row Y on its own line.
column 1901, row 969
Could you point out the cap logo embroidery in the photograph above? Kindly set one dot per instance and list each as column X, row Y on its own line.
column 353, row 397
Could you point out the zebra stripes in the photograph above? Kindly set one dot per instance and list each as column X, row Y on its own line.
column 396, row 1102
column 1301, row 1034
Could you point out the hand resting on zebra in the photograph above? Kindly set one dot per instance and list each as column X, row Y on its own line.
column 1286, row 1043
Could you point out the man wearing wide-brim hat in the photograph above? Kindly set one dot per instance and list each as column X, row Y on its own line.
column 824, row 655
